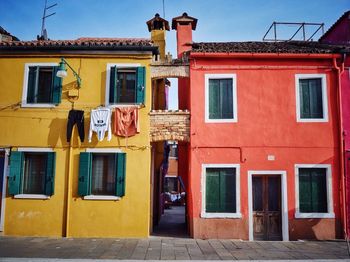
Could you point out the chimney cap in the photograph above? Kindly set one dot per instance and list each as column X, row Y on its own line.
column 157, row 23
column 185, row 19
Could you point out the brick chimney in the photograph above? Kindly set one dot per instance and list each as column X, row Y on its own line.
column 158, row 26
column 183, row 25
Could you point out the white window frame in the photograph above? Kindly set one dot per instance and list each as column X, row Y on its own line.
column 237, row 214
column 33, row 150
column 330, row 213
column 324, row 97
column 25, row 86
column 103, row 150
column 108, row 76
column 234, row 98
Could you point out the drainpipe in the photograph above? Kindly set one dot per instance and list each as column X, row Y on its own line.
column 69, row 189
column 339, row 71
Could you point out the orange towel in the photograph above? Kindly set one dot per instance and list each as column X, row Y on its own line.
column 126, row 121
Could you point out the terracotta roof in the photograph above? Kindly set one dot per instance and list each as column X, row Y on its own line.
column 4, row 32
column 157, row 22
column 346, row 14
column 81, row 42
column 183, row 20
column 266, row 47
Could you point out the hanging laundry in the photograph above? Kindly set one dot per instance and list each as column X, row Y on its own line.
column 75, row 117
column 126, row 121
column 100, row 122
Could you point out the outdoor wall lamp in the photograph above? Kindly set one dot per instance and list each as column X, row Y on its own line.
column 62, row 71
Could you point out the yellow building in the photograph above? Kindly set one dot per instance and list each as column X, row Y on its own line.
column 77, row 188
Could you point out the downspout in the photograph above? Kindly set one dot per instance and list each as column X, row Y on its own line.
column 69, row 190
column 339, row 71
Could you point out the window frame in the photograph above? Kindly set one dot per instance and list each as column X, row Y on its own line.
column 330, row 210
column 33, row 150
column 25, row 86
column 108, row 78
column 96, row 151
column 234, row 97
column 324, row 97
column 205, row 214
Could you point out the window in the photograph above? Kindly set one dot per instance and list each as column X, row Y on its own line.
column 313, row 185
column 32, row 173
column 311, row 98
column 42, row 87
column 221, row 191
column 102, row 174
column 221, row 102
column 126, row 84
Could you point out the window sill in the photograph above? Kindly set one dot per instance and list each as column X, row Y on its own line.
column 38, row 105
column 221, row 121
column 312, row 120
column 94, row 197
column 221, row 215
column 138, row 105
column 314, row 215
column 31, row 196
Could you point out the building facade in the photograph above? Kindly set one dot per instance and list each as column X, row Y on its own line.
column 264, row 154
column 79, row 188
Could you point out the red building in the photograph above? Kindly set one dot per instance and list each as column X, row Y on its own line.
column 339, row 34
column 264, row 152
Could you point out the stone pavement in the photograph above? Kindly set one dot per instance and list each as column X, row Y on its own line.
column 156, row 248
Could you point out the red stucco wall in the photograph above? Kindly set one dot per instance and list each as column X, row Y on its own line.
column 266, row 126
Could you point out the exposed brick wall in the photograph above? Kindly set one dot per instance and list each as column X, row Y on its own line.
column 170, row 125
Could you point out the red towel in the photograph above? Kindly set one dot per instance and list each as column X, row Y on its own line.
column 126, row 121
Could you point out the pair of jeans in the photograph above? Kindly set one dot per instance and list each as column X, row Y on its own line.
column 75, row 117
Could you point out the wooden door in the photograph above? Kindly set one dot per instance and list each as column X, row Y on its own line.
column 267, row 207
column 2, row 162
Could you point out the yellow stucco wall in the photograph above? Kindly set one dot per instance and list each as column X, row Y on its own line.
column 44, row 127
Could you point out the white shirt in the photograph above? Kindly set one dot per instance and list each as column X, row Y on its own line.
column 100, row 122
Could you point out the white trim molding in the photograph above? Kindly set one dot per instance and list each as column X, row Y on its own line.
column 237, row 214
column 234, row 97
column 324, row 97
column 330, row 211
column 25, row 86
column 98, row 197
column 35, row 149
column 103, row 150
column 108, row 77
column 284, row 200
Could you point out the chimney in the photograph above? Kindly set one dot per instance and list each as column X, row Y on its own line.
column 183, row 25
column 157, row 26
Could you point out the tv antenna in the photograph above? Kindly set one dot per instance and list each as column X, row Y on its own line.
column 163, row 9
column 43, row 29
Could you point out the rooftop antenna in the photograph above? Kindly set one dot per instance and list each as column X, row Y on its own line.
column 43, row 29
column 163, row 10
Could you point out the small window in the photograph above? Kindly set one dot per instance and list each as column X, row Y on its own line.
column 221, row 197
column 32, row 173
column 221, row 102
column 311, row 100
column 313, row 191
column 42, row 86
column 126, row 85
column 102, row 174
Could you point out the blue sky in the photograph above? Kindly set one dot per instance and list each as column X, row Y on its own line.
column 218, row 20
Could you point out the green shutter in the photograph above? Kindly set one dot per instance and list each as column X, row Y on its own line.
column 304, row 95
column 32, row 82
column 50, row 173
column 214, row 99
column 305, row 204
column 121, row 170
column 316, row 107
column 113, row 85
column 212, row 190
column 141, row 85
column 226, row 98
column 84, row 187
column 228, row 190
column 16, row 166
column 319, row 190
column 56, row 87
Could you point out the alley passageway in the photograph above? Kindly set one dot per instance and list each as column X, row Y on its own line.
column 172, row 223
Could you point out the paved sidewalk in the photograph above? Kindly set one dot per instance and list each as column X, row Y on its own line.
column 168, row 249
